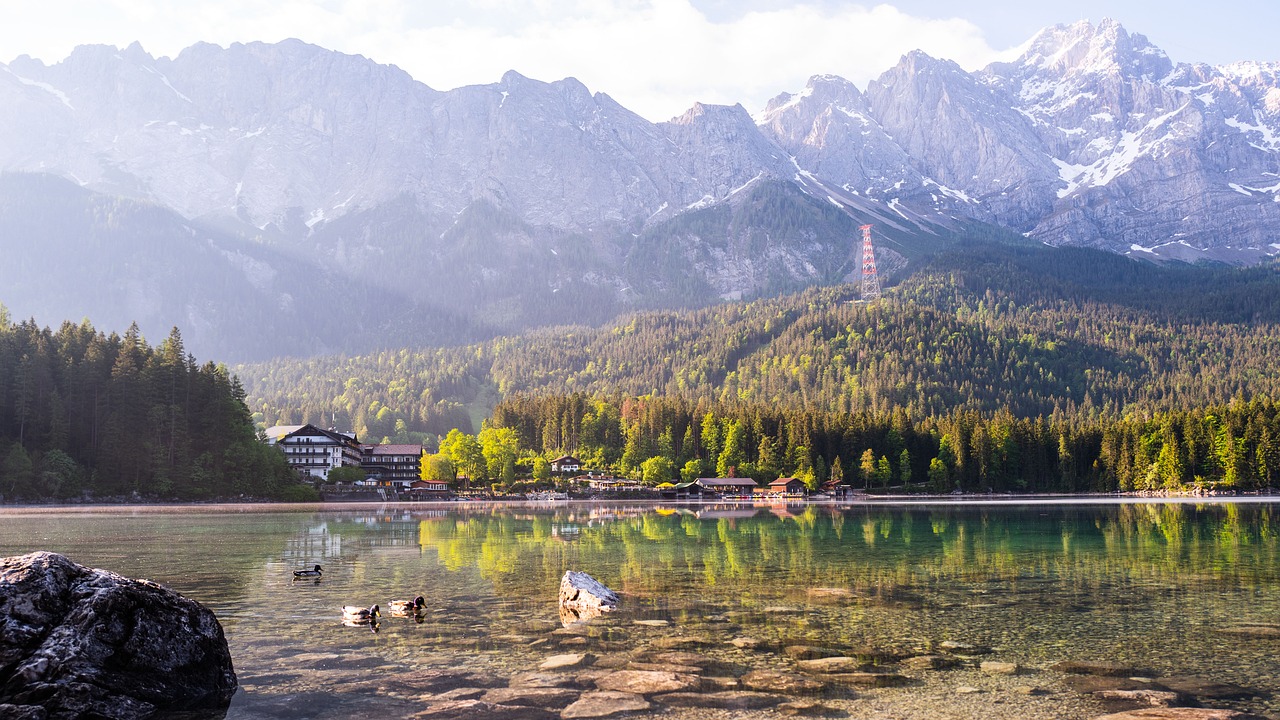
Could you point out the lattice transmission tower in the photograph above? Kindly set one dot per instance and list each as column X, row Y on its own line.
column 870, row 281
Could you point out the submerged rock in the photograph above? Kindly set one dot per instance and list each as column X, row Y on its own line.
column 648, row 682
column 579, row 591
column 1180, row 714
column 604, row 704
column 78, row 642
column 1106, row 669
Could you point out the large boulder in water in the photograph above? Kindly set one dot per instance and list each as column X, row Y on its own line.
column 82, row 643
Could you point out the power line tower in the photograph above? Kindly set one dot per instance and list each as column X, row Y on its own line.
column 870, row 281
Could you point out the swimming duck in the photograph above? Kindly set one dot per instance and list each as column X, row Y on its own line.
column 405, row 608
column 317, row 572
column 357, row 614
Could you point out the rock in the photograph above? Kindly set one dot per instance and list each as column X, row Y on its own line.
column 722, row 700
column 959, row 648
column 1106, row 669
column 531, row 696
column 1259, row 632
column 1205, row 689
column 79, row 642
column 992, row 667
column 1030, row 690
column 22, row 712
column 543, row 680
column 721, row 683
column 604, row 704
column 480, row 710
column 838, row 664
column 681, row 658
column 569, row 661
column 1099, row 683
column 805, row 708
column 930, row 662
column 1153, row 698
column 866, row 679
column 437, row 681
column 648, row 682
column 652, row 623
column 681, row 642
column 780, row 682
column 783, row 610
column 458, row 694
column 580, row 591
column 747, row 643
column 830, row 595
column 664, row 667
column 1180, row 714
column 810, row 652
column 967, row 690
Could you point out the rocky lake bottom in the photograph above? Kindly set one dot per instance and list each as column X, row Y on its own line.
column 862, row 612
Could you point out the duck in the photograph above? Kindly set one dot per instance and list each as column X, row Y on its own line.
column 405, row 608
column 357, row 614
column 317, row 572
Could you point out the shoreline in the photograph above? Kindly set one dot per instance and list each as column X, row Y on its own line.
column 267, row 506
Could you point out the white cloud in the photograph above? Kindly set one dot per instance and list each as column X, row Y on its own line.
column 655, row 57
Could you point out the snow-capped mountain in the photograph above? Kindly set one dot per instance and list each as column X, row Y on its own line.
column 524, row 202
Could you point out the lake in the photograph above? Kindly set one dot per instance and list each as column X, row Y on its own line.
column 1184, row 595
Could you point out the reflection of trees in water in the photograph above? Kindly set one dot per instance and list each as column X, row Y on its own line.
column 656, row 554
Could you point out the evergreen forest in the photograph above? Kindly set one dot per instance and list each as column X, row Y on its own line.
column 992, row 367
column 86, row 415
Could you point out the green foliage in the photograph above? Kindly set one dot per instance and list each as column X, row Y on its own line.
column 83, row 412
column 657, row 469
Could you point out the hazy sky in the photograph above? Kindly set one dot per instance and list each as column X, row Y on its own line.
column 656, row 57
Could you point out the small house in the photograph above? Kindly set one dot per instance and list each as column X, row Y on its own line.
column 566, row 464
column 787, row 486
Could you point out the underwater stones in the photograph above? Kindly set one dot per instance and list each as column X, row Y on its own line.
column 805, row 708
column 721, row 700
column 810, row 652
column 1150, row 697
column 604, row 703
column 78, row 642
column 1204, row 688
column 780, row 682
column 960, row 648
column 481, row 710
column 436, row 682
column 992, row 667
column 1254, row 631
column 681, row 642
column 1180, row 714
column 865, row 679
column 680, row 658
column 836, row 664
column 648, row 682
column 930, row 662
column 747, row 643
column 1106, row 669
column 543, row 680
column 651, row 623
column 567, row 661
column 531, row 696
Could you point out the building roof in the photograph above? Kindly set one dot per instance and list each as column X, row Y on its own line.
column 339, row 437
column 275, row 432
column 783, row 482
column 394, row 449
column 726, row 482
column 566, row 460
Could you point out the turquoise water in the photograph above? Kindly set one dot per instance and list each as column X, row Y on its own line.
column 1160, row 587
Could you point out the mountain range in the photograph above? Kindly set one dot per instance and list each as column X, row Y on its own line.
column 276, row 199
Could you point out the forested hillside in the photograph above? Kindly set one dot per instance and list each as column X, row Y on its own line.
column 994, row 367
column 83, row 413
column 984, row 327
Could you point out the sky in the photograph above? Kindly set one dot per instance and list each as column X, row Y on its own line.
column 656, row 57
